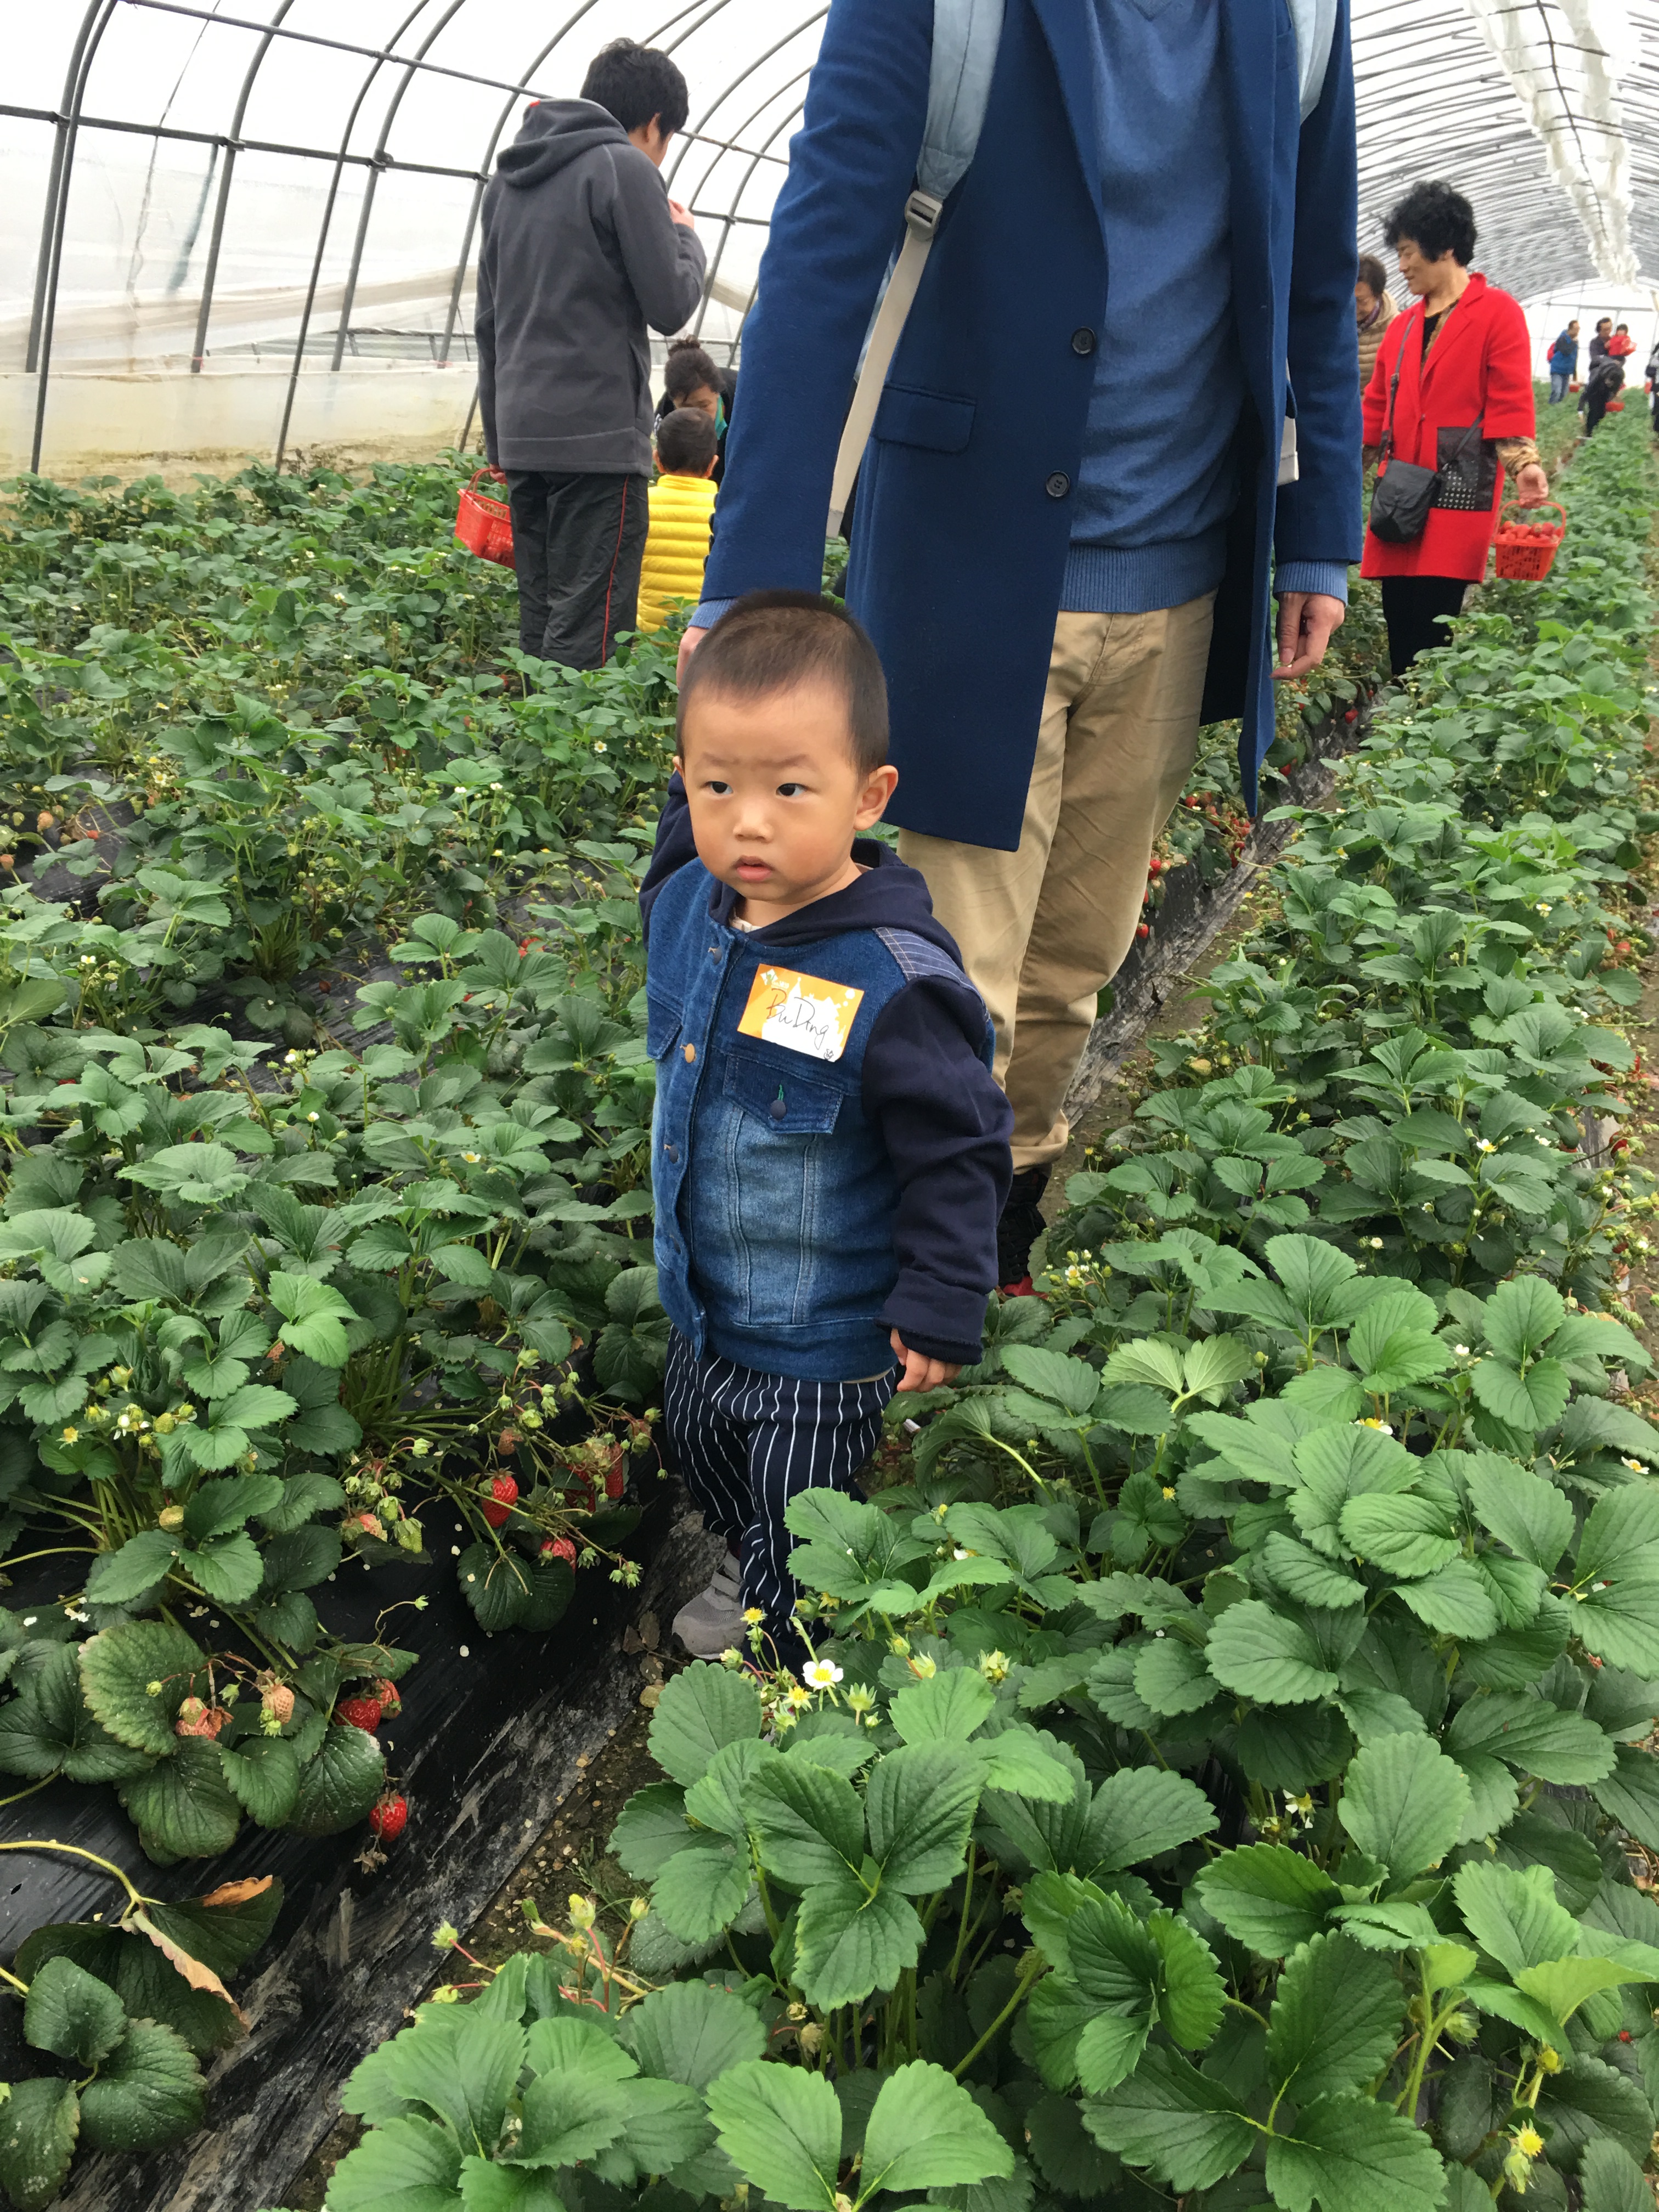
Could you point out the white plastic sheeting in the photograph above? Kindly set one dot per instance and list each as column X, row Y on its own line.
column 271, row 196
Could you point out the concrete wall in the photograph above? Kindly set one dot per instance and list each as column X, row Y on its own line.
column 175, row 424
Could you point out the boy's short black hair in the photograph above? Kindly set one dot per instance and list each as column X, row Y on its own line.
column 686, row 441
column 774, row 642
column 1372, row 272
column 689, row 370
column 1438, row 218
column 1624, row 327
column 638, row 84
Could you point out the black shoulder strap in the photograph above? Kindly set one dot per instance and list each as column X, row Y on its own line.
column 1394, row 386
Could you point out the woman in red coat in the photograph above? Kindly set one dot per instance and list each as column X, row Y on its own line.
column 1462, row 403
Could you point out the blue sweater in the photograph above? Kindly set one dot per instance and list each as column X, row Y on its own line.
column 1159, row 477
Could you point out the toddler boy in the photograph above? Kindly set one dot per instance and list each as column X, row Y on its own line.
column 830, row 1152
column 682, row 515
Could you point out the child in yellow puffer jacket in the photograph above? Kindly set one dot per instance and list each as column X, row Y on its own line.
column 681, row 511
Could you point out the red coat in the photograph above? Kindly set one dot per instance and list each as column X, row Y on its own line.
column 1479, row 364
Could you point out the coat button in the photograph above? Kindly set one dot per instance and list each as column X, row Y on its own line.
column 713, row 952
column 672, row 1151
column 1084, row 340
column 690, row 1052
column 779, row 1110
column 1058, row 484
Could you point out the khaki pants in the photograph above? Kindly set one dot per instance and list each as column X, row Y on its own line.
column 1042, row 929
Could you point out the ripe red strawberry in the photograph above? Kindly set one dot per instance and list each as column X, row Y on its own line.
column 390, row 1817
column 390, row 1704
column 500, row 1490
column 559, row 1547
column 1142, row 932
column 615, row 1480
column 359, row 1713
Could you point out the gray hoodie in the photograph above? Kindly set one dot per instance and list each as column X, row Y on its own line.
column 579, row 254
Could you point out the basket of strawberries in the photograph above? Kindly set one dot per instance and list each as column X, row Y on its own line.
column 483, row 521
column 1526, row 543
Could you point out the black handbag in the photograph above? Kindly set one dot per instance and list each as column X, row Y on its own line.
column 1405, row 491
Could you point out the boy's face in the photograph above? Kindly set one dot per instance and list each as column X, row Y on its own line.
column 775, row 798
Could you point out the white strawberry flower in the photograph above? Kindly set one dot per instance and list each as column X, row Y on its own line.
column 822, row 1673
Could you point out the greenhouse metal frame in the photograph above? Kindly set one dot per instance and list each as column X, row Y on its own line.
column 1545, row 113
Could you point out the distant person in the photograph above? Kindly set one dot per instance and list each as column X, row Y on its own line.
column 1598, row 349
column 1373, row 310
column 1451, row 391
column 582, row 249
column 1621, row 345
column 1563, row 363
column 681, row 509
column 1651, row 376
column 690, row 379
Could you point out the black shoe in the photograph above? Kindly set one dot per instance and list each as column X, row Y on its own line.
column 1020, row 1225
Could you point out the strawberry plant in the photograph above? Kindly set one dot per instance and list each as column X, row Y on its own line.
column 118, row 2018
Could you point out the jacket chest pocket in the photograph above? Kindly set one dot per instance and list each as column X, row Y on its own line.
column 778, row 1187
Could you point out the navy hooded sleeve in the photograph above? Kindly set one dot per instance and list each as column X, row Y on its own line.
column 946, row 1127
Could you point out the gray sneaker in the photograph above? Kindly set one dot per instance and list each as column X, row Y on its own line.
column 712, row 1621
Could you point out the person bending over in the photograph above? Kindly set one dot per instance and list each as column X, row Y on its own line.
column 830, row 1152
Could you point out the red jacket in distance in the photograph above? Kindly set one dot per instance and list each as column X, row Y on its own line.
column 1479, row 364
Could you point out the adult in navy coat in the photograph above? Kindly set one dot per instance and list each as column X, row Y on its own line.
column 1007, row 642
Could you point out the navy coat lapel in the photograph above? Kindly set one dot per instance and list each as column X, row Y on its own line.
column 1067, row 35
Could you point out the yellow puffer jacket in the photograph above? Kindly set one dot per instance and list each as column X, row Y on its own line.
column 676, row 546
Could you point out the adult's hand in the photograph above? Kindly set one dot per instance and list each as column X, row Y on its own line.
column 689, row 643
column 1307, row 623
column 682, row 215
column 1532, row 486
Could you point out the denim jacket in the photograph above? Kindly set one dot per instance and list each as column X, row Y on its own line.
column 806, row 1206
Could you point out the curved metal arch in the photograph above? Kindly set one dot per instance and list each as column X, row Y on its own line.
column 419, row 10
column 215, row 241
column 755, row 160
column 54, row 179
column 741, row 77
column 92, row 37
column 411, row 72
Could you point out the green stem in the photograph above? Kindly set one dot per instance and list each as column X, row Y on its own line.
column 967, row 1900
column 1036, row 1969
column 50, row 1843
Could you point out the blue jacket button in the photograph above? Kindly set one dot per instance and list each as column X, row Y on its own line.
column 1083, row 341
column 672, row 1151
column 1058, row 484
column 779, row 1110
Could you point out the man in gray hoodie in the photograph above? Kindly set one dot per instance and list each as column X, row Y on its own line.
column 582, row 248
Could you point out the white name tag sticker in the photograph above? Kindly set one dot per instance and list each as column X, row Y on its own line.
column 803, row 1013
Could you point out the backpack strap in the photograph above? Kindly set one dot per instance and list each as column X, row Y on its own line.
column 966, row 36
column 1316, row 31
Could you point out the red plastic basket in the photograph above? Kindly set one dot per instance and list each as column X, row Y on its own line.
column 484, row 523
column 1525, row 549
column 1616, row 407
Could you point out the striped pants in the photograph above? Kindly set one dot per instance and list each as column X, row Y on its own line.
column 746, row 1443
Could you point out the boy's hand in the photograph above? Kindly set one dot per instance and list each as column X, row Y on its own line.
column 682, row 215
column 922, row 1373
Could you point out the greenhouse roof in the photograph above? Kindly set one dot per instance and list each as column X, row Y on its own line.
column 286, row 184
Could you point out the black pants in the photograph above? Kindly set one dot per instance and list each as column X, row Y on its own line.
column 1594, row 408
column 1412, row 607
column 578, row 540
